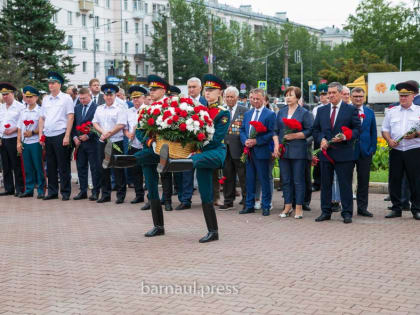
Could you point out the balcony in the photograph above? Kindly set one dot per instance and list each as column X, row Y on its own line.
column 139, row 58
column 139, row 14
column 85, row 5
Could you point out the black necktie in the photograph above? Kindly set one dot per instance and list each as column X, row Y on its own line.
column 84, row 111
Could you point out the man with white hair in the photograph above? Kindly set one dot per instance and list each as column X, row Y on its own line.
column 345, row 94
column 194, row 93
column 233, row 166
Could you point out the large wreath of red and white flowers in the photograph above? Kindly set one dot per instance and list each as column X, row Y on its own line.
column 178, row 120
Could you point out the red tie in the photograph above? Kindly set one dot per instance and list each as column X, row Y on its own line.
column 333, row 116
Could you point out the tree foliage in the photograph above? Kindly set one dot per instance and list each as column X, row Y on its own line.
column 29, row 36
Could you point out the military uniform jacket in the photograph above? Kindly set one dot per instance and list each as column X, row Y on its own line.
column 232, row 138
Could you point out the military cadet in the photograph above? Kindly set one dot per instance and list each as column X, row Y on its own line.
column 28, row 144
column 212, row 157
column 55, row 123
column 137, row 94
column 10, row 111
column 110, row 120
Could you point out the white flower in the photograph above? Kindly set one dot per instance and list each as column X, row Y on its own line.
column 174, row 99
column 196, row 124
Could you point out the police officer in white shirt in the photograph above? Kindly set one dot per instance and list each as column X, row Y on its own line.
column 10, row 111
column 137, row 94
column 110, row 120
column 56, row 122
column 401, row 129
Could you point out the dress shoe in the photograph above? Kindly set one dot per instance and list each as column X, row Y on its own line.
column 17, row 194
column 65, row 198
column 364, row 213
column 347, row 220
column 335, row 207
column 393, row 214
column 119, row 201
column 93, row 197
column 323, row 217
column 306, row 208
column 168, row 207
column 26, row 194
column 247, row 210
column 210, row 236
column 226, row 207
column 157, row 230
column 146, row 206
column 265, row 212
column 80, row 196
column 103, row 199
column 50, row 197
column 404, row 208
column 183, row 206
column 40, row 196
column 416, row 215
column 137, row 200
column 7, row 193
column 218, row 203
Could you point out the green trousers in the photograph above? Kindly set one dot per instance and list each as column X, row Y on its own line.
column 34, row 172
column 148, row 160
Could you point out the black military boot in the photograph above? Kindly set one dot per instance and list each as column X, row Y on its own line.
column 157, row 215
column 172, row 165
column 211, row 222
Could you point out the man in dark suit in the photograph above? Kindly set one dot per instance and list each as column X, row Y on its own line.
column 364, row 150
column 234, row 148
column 95, row 91
column 86, row 146
column 258, row 164
column 194, row 93
column 339, row 155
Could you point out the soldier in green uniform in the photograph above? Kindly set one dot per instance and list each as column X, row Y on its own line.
column 212, row 156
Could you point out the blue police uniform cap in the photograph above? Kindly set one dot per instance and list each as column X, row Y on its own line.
column 109, row 88
column 55, row 77
column 174, row 89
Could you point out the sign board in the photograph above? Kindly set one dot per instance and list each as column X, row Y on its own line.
column 287, row 81
column 322, row 81
column 242, row 86
column 112, row 80
column 283, row 88
column 313, row 88
column 382, row 85
column 310, row 83
column 262, row 85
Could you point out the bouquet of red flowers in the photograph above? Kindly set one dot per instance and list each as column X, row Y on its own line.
column 346, row 134
column 291, row 126
column 178, row 120
column 258, row 127
column 87, row 127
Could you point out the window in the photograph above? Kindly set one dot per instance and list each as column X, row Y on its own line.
column 84, row 43
column 146, row 70
column 84, row 20
column 108, row 46
column 70, row 43
column 54, row 17
column 126, row 26
column 108, row 24
column 97, row 67
column 84, row 66
column 135, row 5
column 126, row 5
column 126, row 47
column 136, row 27
column 97, row 21
column 96, row 1
column 137, row 69
column 146, row 29
column 69, row 18
column 137, row 48
column 108, row 4
column 145, row 8
column 96, row 44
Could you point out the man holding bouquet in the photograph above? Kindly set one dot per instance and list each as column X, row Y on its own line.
column 336, row 127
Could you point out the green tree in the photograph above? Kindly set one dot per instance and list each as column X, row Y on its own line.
column 29, row 35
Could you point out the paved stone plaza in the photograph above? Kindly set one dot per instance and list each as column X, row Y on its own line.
column 79, row 257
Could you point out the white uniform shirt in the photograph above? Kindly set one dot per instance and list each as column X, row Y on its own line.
column 121, row 103
column 109, row 116
column 398, row 121
column 133, row 115
column 10, row 116
column 54, row 110
column 30, row 114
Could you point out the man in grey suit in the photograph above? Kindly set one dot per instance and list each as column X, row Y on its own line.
column 233, row 166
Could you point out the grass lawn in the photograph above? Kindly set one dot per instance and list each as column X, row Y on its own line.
column 379, row 176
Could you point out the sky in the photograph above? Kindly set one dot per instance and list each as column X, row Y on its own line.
column 313, row 13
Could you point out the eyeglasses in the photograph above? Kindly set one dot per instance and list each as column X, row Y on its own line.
column 358, row 96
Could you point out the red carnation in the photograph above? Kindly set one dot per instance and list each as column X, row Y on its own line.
column 169, row 121
column 175, row 118
column 362, row 115
column 206, row 119
column 183, row 113
column 7, row 126
column 201, row 123
column 78, row 128
column 149, row 111
column 174, row 104
column 26, row 122
column 183, row 127
column 42, row 138
column 150, row 121
column 222, row 180
column 166, row 114
column 186, row 100
column 156, row 111
column 197, row 109
column 292, row 124
column 140, row 117
column 259, row 127
column 348, row 133
column 88, row 123
column 178, row 110
column 195, row 117
column 201, row 136
column 165, row 105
